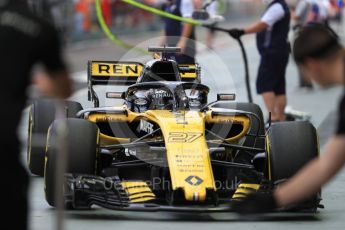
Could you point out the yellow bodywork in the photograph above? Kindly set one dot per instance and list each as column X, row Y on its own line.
column 244, row 190
column 132, row 70
column 138, row 191
column 116, row 69
column 186, row 148
column 187, row 152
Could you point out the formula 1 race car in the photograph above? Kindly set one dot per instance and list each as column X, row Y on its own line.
column 166, row 148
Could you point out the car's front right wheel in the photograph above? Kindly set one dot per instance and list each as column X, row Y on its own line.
column 79, row 139
column 41, row 115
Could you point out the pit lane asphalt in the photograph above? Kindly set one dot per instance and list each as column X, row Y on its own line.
column 320, row 103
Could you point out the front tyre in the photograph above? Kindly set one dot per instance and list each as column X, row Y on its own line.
column 290, row 146
column 82, row 152
column 41, row 115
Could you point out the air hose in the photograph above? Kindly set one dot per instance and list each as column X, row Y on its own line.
column 110, row 35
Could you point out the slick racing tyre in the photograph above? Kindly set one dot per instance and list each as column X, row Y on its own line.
column 82, row 144
column 41, row 115
column 291, row 145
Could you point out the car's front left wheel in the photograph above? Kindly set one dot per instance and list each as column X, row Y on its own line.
column 290, row 146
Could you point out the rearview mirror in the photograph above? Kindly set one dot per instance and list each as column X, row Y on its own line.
column 226, row 97
column 115, row 95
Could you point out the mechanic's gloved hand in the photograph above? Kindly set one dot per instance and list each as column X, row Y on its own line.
column 236, row 33
column 256, row 203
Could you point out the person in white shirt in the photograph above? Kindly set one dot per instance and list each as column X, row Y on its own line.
column 307, row 12
column 272, row 43
column 310, row 11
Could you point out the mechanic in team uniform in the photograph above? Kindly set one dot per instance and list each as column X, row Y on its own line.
column 320, row 57
column 272, row 43
column 25, row 40
column 180, row 34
